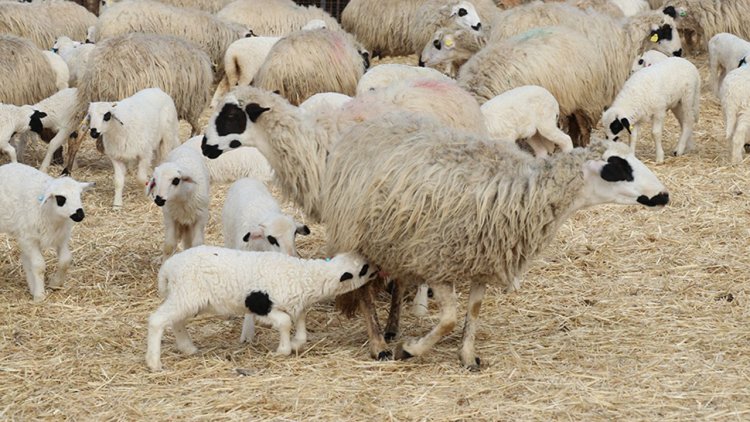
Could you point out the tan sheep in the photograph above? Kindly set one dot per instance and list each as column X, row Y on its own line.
column 275, row 18
column 43, row 22
column 26, row 76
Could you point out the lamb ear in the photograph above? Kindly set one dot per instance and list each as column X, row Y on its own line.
column 150, row 186
column 670, row 10
column 117, row 119
column 302, row 229
column 254, row 110
column 617, row 169
column 626, row 124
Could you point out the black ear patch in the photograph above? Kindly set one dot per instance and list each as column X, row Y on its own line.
column 365, row 59
column 231, row 119
column 107, row 116
column 663, row 33
column 246, row 237
column 364, row 269
column 617, row 170
column 670, row 10
column 258, row 303
column 625, row 123
column 254, row 110
column 346, row 276
column 615, row 127
column 743, row 61
column 304, row 230
column 35, row 122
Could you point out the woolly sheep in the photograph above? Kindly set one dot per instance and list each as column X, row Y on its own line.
column 277, row 289
column 632, row 7
column 325, row 102
column 647, row 59
column 735, row 103
column 275, row 18
column 171, row 64
column 386, row 74
column 76, row 56
column 308, row 62
column 213, row 35
column 450, row 47
column 435, row 14
column 26, row 76
column 527, row 112
column 39, row 211
column 725, row 53
column 132, row 130
column 672, row 84
column 180, row 186
column 211, row 6
column 62, row 74
column 43, row 22
column 244, row 162
column 700, row 20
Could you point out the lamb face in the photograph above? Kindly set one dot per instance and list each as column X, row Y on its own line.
column 276, row 235
column 466, row 16
column 439, row 50
column 232, row 127
column 665, row 35
column 101, row 116
column 167, row 182
column 63, row 197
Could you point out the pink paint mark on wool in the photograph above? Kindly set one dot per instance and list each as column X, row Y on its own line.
column 434, row 85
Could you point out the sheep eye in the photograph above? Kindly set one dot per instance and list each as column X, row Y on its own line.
column 462, row 12
column 107, row 116
column 235, row 144
column 436, row 43
column 272, row 240
column 617, row 138
column 60, row 200
column 176, row 181
column 640, row 61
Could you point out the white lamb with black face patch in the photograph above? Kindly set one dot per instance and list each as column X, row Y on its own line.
column 39, row 211
column 647, row 59
column 278, row 289
column 180, row 186
column 228, row 168
column 735, row 103
column 15, row 120
column 670, row 85
column 726, row 52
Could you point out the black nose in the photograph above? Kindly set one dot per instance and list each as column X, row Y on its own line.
column 160, row 201
column 477, row 26
column 660, row 199
column 421, row 63
column 210, row 151
column 94, row 133
column 78, row 216
column 677, row 53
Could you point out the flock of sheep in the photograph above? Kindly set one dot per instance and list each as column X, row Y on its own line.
column 420, row 174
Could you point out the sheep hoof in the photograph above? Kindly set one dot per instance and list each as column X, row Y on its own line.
column 476, row 366
column 389, row 336
column 385, row 355
column 401, row 353
column 747, row 148
column 675, row 154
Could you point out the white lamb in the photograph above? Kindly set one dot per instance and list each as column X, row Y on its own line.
column 386, row 74
column 180, row 185
column 39, row 212
column 726, row 52
column 529, row 112
column 58, row 111
column 647, row 59
column 735, row 102
column 278, row 289
column 135, row 128
column 62, row 73
column 76, row 56
column 672, row 84
column 244, row 162
column 15, row 120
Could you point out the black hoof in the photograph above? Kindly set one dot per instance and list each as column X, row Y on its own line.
column 429, row 293
column 65, row 172
column 385, row 355
column 476, row 366
column 747, row 148
column 674, row 153
column 389, row 336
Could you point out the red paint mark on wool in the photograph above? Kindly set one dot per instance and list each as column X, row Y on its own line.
column 433, row 85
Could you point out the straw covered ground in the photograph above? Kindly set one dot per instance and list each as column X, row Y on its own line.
column 630, row 314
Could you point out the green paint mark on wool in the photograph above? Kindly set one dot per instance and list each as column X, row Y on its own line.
column 533, row 33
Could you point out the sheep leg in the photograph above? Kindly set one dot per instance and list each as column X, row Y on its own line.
column 685, row 143
column 467, row 354
column 54, row 144
column 73, row 146
column 144, row 165
column 445, row 296
column 300, row 332
column 550, row 131
column 738, row 140
column 182, row 338
column 119, row 181
column 221, row 89
column 170, row 239
column 33, row 266
column 248, row 329
column 378, row 347
column 397, row 297
column 8, row 149
column 420, row 306
column 537, row 145
column 633, row 138
column 657, row 127
column 282, row 322
column 64, row 258
column 157, row 322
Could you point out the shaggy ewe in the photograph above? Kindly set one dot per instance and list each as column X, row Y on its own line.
column 277, row 289
column 26, row 76
column 62, row 74
column 331, row 63
column 528, row 112
column 210, row 6
column 75, row 55
column 647, row 59
column 700, row 20
column 386, row 74
column 672, row 84
column 274, row 18
column 174, row 65
column 43, row 22
column 450, row 48
column 735, row 102
column 245, row 162
column 726, row 52
column 180, row 186
column 133, row 130
column 39, row 212
column 436, row 14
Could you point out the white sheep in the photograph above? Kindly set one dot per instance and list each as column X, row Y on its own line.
column 647, row 59
column 16, row 120
column 133, row 130
column 75, row 55
column 62, row 73
column 672, row 84
column 735, row 102
column 325, row 102
column 725, row 53
column 42, row 22
column 529, row 112
column 632, row 7
column 25, row 73
column 39, row 211
column 244, row 162
column 700, row 20
column 386, row 74
column 277, row 289
column 58, row 111
column 275, row 18
column 180, row 186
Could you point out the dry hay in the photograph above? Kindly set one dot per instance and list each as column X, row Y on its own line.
column 631, row 314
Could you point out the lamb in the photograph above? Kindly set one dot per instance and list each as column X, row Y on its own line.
column 725, row 53
column 274, row 18
column 62, row 74
column 450, row 48
column 133, row 129
column 231, row 282
column 75, row 55
column 43, row 22
column 735, row 103
column 56, row 114
column 26, row 76
column 386, row 74
column 672, row 84
column 528, row 112
column 180, row 186
column 308, row 62
column 39, row 211
column 647, row 59
column 700, row 20
column 15, row 120
column 245, row 162
column 174, row 65
column 213, row 35
column 211, row 6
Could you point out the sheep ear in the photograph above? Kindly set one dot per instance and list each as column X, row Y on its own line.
column 346, row 276
column 670, row 10
column 626, row 124
column 302, row 229
column 617, row 169
column 118, row 119
column 254, row 110
column 150, row 186
column 86, row 185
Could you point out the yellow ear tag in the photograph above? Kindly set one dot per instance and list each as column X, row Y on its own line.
column 448, row 42
column 655, row 38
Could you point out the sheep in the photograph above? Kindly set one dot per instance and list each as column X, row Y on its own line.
column 245, row 162
column 39, row 211
column 527, row 112
column 700, row 20
column 308, row 62
column 43, row 22
column 647, row 59
column 230, row 282
column 62, row 74
column 26, row 76
column 325, row 102
column 725, row 53
column 213, row 35
column 672, row 84
column 174, row 65
column 211, row 6
column 15, row 120
column 735, row 103
column 274, row 18
column 435, row 14
column 180, row 186
column 450, row 47
column 132, row 130
column 606, row 7
column 632, row 7
column 76, row 56
column 385, row 74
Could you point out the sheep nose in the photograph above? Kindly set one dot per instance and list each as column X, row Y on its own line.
column 78, row 216
column 477, row 26
column 94, row 133
column 421, row 63
column 677, row 53
column 657, row 200
column 159, row 201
